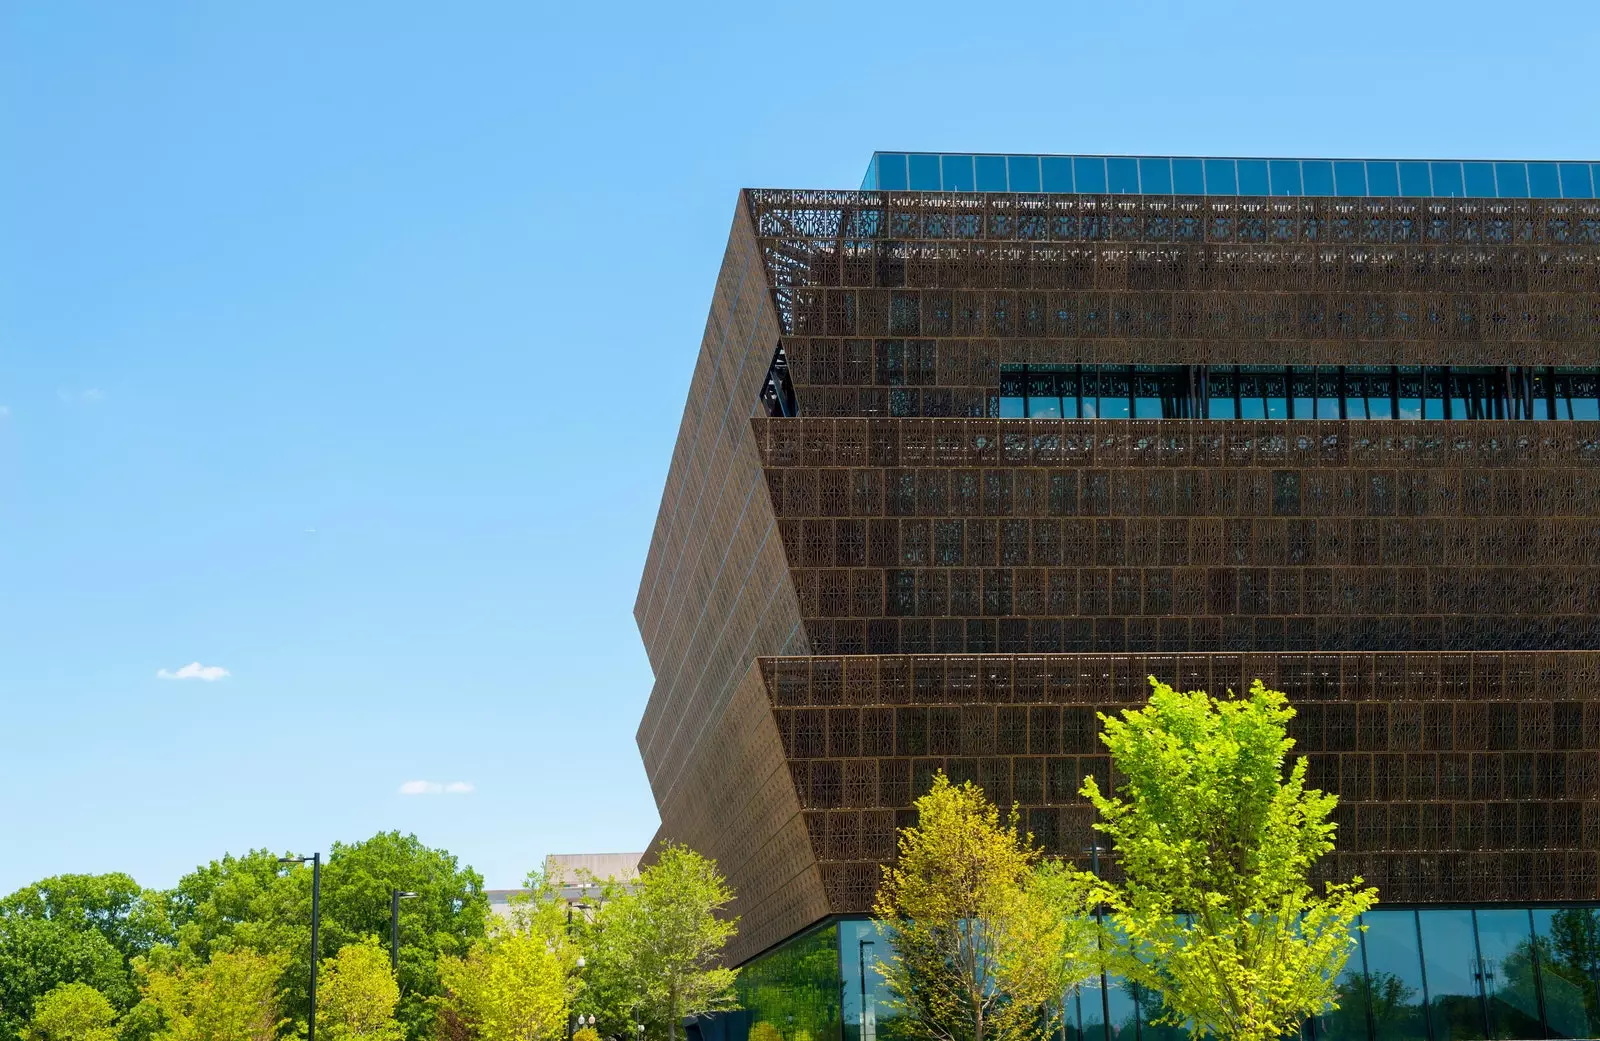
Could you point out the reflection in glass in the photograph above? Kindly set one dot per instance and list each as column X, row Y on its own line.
column 860, row 951
column 1414, row 179
column 1347, row 1022
column 1505, row 946
column 1450, row 952
column 1124, row 1011
column 1569, row 969
column 795, row 988
column 1394, row 976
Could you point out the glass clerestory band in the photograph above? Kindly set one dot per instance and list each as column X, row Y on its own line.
column 1343, row 392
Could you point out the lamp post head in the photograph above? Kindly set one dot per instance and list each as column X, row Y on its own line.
column 293, row 860
column 404, row 895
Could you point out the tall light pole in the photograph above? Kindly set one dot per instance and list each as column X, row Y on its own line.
column 316, row 917
column 862, row 950
column 395, row 896
column 1094, row 849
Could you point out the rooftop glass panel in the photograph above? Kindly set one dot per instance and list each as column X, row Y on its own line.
column 1183, row 175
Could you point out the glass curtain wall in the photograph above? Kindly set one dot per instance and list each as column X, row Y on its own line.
column 1436, row 974
column 1296, row 392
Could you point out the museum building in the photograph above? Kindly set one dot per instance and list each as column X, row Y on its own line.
column 972, row 451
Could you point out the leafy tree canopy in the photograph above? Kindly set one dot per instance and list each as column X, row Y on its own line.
column 985, row 939
column 655, row 947
column 72, row 1012
column 38, row 954
column 358, row 995
column 232, row 997
column 1217, row 846
column 131, row 918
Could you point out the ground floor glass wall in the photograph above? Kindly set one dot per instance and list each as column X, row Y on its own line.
column 1435, row 974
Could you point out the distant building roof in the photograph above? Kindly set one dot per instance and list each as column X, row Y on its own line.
column 568, row 869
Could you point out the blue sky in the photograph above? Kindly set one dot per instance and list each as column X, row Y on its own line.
column 343, row 345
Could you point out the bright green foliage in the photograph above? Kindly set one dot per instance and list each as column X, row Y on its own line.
column 357, row 995
column 74, row 928
column 131, row 919
column 586, row 1034
column 37, row 954
column 985, row 939
column 764, row 1031
column 254, row 903
column 517, row 984
column 512, row 987
column 654, row 949
column 1217, row 846
column 72, row 1012
column 233, row 997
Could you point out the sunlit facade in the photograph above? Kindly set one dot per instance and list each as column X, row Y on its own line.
column 971, row 452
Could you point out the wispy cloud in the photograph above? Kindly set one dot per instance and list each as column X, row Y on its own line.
column 5, row 411
column 87, row 396
column 437, row 788
column 194, row 671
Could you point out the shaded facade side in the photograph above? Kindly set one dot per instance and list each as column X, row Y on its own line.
column 715, row 592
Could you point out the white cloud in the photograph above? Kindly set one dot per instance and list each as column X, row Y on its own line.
column 436, row 788
column 5, row 410
column 194, row 671
column 88, row 396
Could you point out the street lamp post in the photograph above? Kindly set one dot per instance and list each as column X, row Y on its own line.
column 861, row 949
column 1094, row 850
column 395, row 896
column 316, row 917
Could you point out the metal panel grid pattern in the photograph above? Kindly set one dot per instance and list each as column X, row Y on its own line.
column 899, row 524
column 983, row 536
column 1462, row 777
column 715, row 592
column 736, row 802
column 908, row 305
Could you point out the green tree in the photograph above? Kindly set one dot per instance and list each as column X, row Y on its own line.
column 254, row 903
column 985, row 938
column 654, row 947
column 72, row 1012
column 358, row 995
column 39, row 954
column 517, row 983
column 512, row 987
column 1217, row 846
column 232, row 997
column 131, row 918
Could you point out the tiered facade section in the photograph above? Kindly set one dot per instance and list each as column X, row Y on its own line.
column 899, row 580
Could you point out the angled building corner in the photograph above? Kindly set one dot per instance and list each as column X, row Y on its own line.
column 971, row 452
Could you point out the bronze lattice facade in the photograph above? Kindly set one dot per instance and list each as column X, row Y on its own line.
column 869, row 566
